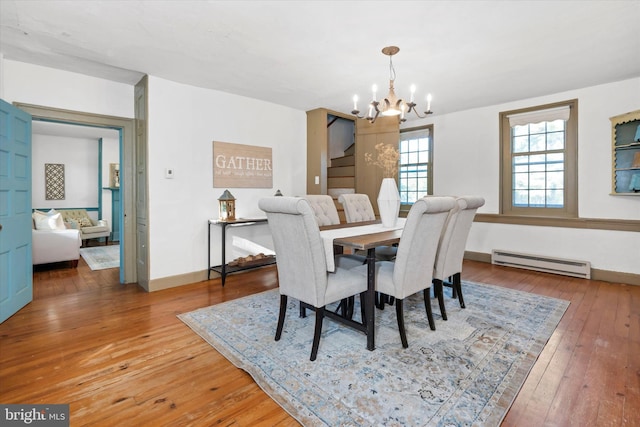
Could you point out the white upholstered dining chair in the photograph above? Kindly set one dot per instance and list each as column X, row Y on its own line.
column 448, row 264
column 326, row 213
column 358, row 208
column 412, row 270
column 324, row 208
column 301, row 263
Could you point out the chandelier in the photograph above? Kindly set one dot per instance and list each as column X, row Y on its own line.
column 391, row 105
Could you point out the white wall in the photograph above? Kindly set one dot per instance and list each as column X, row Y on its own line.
column 80, row 159
column 183, row 123
column 466, row 161
column 341, row 137
column 34, row 84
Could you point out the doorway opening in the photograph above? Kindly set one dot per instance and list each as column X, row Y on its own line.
column 126, row 155
column 88, row 158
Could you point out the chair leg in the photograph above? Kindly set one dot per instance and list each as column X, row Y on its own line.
column 345, row 308
column 382, row 299
column 457, row 286
column 283, row 311
column 437, row 285
column 341, row 308
column 454, row 292
column 427, row 306
column 351, row 303
column 303, row 311
column 363, row 299
column 400, row 318
column 317, row 333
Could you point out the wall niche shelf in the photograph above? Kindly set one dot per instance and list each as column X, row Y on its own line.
column 626, row 154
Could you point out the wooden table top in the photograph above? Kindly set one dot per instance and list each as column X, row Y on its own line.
column 368, row 241
column 365, row 241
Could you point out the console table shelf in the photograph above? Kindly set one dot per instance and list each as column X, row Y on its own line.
column 224, row 268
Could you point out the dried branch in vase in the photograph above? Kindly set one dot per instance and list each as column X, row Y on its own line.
column 386, row 158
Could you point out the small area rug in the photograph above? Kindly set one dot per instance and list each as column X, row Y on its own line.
column 467, row 372
column 101, row 257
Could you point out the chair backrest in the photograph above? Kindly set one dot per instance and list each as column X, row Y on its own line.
column 418, row 245
column 324, row 209
column 300, row 258
column 80, row 216
column 357, row 207
column 454, row 237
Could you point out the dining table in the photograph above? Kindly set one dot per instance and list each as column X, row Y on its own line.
column 363, row 236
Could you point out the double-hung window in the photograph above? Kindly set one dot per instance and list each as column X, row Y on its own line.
column 539, row 161
column 415, row 171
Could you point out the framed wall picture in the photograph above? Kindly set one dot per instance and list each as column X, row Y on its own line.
column 53, row 181
column 241, row 166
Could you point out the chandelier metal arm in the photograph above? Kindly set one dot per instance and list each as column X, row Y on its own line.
column 412, row 107
column 370, row 116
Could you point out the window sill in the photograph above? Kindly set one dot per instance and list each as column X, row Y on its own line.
column 588, row 223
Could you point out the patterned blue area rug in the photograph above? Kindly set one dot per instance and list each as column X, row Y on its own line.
column 101, row 257
column 467, row 372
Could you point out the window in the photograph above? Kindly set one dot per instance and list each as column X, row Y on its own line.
column 414, row 174
column 539, row 161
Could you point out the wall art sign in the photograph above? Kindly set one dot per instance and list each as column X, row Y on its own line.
column 241, row 166
column 53, row 181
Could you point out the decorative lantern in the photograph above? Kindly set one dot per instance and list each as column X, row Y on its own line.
column 227, row 206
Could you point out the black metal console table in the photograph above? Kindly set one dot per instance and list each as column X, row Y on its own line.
column 224, row 268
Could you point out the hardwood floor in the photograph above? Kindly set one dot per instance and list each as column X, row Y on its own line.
column 120, row 356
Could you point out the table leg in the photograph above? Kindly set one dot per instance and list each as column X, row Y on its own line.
column 209, row 250
column 223, row 272
column 370, row 303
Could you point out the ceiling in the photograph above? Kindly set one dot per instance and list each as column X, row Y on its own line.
column 309, row 54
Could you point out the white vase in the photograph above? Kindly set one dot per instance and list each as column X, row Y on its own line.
column 389, row 202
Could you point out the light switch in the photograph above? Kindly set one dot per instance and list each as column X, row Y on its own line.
column 168, row 173
column 317, row 180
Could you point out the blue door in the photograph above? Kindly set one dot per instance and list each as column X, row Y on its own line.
column 16, row 270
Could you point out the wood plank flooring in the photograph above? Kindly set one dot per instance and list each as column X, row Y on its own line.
column 120, row 356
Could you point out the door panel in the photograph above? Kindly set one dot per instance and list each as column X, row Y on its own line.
column 16, row 277
column 142, row 220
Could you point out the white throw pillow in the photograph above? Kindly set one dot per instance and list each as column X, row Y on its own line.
column 51, row 220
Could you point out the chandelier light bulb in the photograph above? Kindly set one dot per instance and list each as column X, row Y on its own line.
column 355, row 102
column 413, row 92
column 429, row 98
column 374, row 89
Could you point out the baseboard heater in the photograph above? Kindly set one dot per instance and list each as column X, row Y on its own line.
column 567, row 267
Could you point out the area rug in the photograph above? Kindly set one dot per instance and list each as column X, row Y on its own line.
column 101, row 257
column 467, row 372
